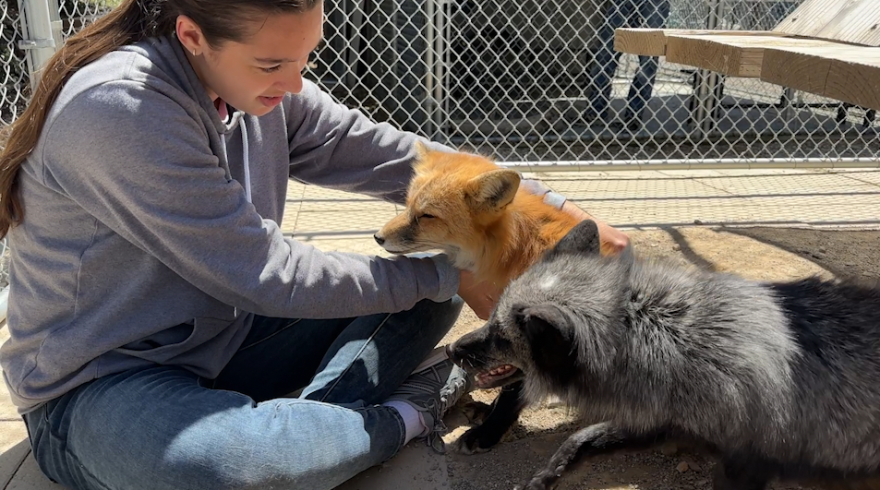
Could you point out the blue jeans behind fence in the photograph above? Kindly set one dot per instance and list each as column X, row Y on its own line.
column 625, row 13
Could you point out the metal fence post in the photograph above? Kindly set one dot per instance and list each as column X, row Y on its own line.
column 707, row 97
column 435, row 60
column 41, row 34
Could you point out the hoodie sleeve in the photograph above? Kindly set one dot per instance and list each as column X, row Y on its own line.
column 140, row 163
column 334, row 146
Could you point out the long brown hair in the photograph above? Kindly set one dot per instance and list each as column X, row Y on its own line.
column 130, row 22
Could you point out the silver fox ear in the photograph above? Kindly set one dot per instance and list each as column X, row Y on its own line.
column 582, row 239
column 546, row 314
column 550, row 337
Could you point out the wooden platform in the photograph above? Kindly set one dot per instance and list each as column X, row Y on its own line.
column 827, row 47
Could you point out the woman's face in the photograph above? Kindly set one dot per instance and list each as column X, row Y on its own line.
column 253, row 75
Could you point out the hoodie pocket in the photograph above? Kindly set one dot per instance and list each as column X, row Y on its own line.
column 162, row 345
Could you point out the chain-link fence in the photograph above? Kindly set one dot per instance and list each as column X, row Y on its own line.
column 15, row 89
column 538, row 81
column 76, row 14
column 14, row 86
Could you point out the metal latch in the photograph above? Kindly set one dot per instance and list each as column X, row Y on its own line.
column 36, row 43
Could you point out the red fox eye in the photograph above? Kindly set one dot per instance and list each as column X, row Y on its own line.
column 427, row 216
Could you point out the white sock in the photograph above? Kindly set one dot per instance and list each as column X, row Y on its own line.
column 412, row 419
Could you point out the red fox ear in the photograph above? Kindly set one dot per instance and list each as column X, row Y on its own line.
column 494, row 189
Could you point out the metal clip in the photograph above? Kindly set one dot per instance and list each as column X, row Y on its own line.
column 36, row 44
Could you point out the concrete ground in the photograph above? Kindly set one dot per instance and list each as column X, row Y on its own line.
column 629, row 200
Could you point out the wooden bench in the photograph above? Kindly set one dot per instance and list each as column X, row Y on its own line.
column 829, row 48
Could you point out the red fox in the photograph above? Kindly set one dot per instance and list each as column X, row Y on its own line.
column 474, row 211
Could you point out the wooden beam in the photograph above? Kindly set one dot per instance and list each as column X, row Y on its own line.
column 652, row 42
column 849, row 21
column 736, row 56
column 858, row 24
column 811, row 16
column 841, row 72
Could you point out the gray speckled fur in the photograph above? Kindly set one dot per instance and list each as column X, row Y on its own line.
column 781, row 377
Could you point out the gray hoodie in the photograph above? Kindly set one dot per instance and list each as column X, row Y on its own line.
column 151, row 230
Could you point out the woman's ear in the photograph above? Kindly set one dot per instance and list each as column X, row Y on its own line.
column 190, row 35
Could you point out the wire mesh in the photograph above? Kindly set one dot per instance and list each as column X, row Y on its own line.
column 14, row 78
column 77, row 14
column 538, row 81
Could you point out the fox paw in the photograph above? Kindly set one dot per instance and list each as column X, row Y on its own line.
column 474, row 441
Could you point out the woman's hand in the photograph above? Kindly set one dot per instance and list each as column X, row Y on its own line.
column 613, row 240
column 481, row 297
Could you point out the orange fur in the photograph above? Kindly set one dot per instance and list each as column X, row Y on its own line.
column 461, row 204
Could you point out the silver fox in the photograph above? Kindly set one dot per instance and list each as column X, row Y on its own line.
column 779, row 379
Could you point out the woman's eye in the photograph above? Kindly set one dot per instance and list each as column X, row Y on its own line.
column 271, row 69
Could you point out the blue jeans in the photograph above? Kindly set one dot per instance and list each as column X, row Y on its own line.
column 165, row 428
column 631, row 13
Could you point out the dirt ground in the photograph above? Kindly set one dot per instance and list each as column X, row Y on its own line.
column 756, row 253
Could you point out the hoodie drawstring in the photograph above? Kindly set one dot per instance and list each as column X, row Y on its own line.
column 244, row 157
